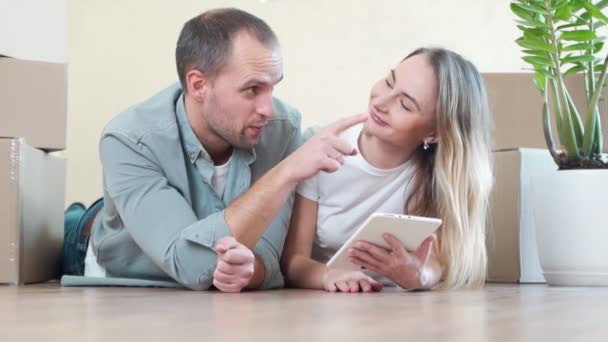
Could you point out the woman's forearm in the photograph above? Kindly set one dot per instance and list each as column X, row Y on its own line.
column 303, row 272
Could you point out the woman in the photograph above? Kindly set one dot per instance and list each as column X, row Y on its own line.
column 424, row 150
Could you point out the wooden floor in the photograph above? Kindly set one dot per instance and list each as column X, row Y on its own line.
column 496, row 313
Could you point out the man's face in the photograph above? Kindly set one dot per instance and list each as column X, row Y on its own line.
column 238, row 103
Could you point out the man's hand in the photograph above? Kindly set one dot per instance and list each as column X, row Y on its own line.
column 325, row 151
column 235, row 265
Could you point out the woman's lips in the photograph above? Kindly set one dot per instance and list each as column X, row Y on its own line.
column 377, row 119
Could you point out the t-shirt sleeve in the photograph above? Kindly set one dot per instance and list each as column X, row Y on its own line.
column 310, row 187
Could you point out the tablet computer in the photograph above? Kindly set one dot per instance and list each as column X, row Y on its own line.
column 411, row 230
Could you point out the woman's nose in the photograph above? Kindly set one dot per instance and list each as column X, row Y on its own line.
column 382, row 101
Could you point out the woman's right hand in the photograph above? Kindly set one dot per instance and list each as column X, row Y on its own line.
column 336, row 280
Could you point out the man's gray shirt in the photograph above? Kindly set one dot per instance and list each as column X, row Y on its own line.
column 161, row 216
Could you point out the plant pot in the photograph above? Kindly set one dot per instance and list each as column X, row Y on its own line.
column 571, row 215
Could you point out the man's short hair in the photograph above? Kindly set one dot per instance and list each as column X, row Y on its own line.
column 205, row 42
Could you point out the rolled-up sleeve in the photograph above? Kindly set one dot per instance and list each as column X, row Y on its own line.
column 270, row 246
column 157, row 216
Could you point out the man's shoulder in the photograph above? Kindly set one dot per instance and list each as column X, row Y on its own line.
column 286, row 112
column 155, row 114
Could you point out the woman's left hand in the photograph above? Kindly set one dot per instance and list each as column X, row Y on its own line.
column 411, row 270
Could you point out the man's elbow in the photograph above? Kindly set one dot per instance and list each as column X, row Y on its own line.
column 193, row 266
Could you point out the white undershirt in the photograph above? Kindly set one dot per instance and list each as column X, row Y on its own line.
column 218, row 182
column 348, row 196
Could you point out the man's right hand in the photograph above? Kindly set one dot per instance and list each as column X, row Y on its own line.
column 235, row 265
column 325, row 151
column 336, row 280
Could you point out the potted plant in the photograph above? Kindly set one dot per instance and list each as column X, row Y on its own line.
column 562, row 38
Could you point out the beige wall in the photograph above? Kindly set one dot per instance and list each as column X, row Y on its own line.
column 120, row 52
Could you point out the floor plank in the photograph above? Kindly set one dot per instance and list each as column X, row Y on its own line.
column 495, row 313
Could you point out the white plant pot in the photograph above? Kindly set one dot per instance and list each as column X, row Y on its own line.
column 571, row 215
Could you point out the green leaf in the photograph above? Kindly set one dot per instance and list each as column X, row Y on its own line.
column 521, row 12
column 534, row 45
column 578, row 59
column 598, row 46
column 575, row 69
column 561, row 27
column 532, row 23
column 545, row 73
column 539, row 80
column 535, row 52
column 576, row 6
column 530, row 8
column 564, row 13
column 559, row 3
column 536, row 33
column 579, row 35
column 585, row 16
column 598, row 24
column 594, row 11
column 599, row 139
column 602, row 4
column 577, row 47
column 539, row 61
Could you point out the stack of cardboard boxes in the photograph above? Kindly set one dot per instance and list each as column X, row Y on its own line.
column 520, row 153
column 33, row 108
column 32, row 181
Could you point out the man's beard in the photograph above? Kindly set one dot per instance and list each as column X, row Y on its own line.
column 222, row 129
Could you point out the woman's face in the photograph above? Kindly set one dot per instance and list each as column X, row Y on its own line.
column 402, row 105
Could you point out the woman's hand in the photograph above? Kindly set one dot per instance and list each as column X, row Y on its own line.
column 336, row 280
column 411, row 270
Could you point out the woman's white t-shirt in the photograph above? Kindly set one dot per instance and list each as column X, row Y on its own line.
column 348, row 196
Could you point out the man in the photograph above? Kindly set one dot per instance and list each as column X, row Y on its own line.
column 198, row 179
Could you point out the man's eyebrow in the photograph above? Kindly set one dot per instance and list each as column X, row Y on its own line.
column 258, row 80
column 403, row 92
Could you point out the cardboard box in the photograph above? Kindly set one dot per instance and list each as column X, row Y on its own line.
column 511, row 238
column 34, row 30
column 33, row 102
column 32, row 196
column 516, row 105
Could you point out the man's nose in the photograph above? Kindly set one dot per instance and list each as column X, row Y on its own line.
column 265, row 106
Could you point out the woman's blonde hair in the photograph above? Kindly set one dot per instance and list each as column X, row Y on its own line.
column 460, row 167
